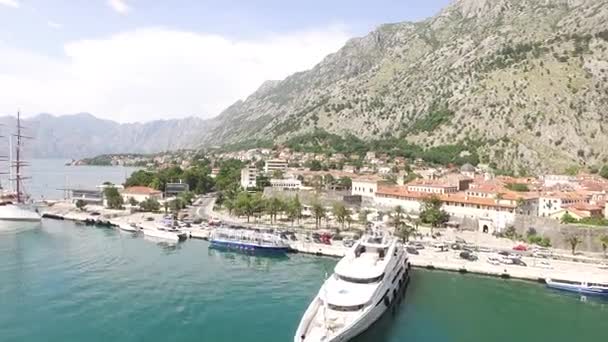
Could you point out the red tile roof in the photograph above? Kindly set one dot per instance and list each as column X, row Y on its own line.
column 140, row 190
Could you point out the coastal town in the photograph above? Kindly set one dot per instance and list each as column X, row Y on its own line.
column 558, row 223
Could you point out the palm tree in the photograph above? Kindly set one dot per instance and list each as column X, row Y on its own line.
column 319, row 213
column 340, row 212
column 604, row 241
column 294, row 210
column 349, row 218
column 397, row 218
column 273, row 206
column 405, row 232
column 574, row 240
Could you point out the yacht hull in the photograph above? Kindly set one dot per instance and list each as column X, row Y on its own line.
column 12, row 212
column 170, row 236
column 365, row 322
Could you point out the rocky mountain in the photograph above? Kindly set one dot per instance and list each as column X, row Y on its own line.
column 83, row 135
column 527, row 80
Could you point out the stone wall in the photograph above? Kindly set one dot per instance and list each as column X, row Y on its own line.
column 557, row 232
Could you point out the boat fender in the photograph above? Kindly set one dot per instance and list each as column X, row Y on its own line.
column 387, row 301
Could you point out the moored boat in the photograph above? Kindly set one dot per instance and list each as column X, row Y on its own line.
column 16, row 205
column 581, row 287
column 128, row 227
column 371, row 278
column 248, row 240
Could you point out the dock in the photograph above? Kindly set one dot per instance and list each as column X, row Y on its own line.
column 537, row 269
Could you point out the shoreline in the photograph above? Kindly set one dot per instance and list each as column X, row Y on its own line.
column 537, row 270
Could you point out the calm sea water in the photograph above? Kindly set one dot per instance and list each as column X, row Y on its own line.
column 65, row 282
column 49, row 176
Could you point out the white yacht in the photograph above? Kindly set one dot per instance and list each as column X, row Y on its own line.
column 166, row 230
column 128, row 227
column 366, row 282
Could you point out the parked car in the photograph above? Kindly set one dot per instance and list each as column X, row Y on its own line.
column 521, row 248
column 416, row 245
column 493, row 260
column 456, row 246
column 348, row 243
column 519, row 262
column 412, row 250
column 468, row 256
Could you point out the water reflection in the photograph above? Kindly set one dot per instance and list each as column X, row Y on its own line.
column 250, row 259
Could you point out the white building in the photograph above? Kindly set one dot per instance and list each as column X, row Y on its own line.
column 552, row 180
column 248, row 177
column 286, row 184
column 275, row 165
column 553, row 202
column 140, row 194
column 432, row 188
column 364, row 187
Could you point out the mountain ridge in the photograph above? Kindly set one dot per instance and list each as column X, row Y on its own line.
column 526, row 75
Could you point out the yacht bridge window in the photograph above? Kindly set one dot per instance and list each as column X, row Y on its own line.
column 361, row 281
column 345, row 308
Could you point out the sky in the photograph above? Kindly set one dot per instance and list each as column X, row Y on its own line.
column 142, row 60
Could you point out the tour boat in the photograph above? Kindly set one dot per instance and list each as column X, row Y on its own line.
column 16, row 205
column 371, row 278
column 248, row 240
column 584, row 288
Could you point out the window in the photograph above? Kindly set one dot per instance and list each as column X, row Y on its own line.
column 360, row 281
column 345, row 308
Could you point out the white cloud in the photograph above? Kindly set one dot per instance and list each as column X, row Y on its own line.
column 120, row 6
column 53, row 24
column 10, row 3
column 156, row 73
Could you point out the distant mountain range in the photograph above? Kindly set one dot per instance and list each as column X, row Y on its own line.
column 84, row 135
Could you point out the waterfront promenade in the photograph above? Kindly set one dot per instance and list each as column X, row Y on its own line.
column 537, row 269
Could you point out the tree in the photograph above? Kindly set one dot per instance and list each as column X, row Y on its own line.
column 340, row 212
column 244, row 205
column 150, row 205
column 294, row 209
column 405, row 232
column 567, row 218
column 187, row 197
column 363, row 214
column 604, row 242
column 397, row 218
column 229, row 205
column 113, row 198
column 349, row 218
column 318, row 211
column 432, row 213
column 261, row 182
column 80, row 204
column 573, row 240
column 277, row 174
column 273, row 206
column 345, row 182
column 133, row 202
column 604, row 171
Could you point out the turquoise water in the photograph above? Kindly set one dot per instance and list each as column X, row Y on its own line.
column 65, row 282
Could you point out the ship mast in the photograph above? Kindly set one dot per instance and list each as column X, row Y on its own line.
column 18, row 164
